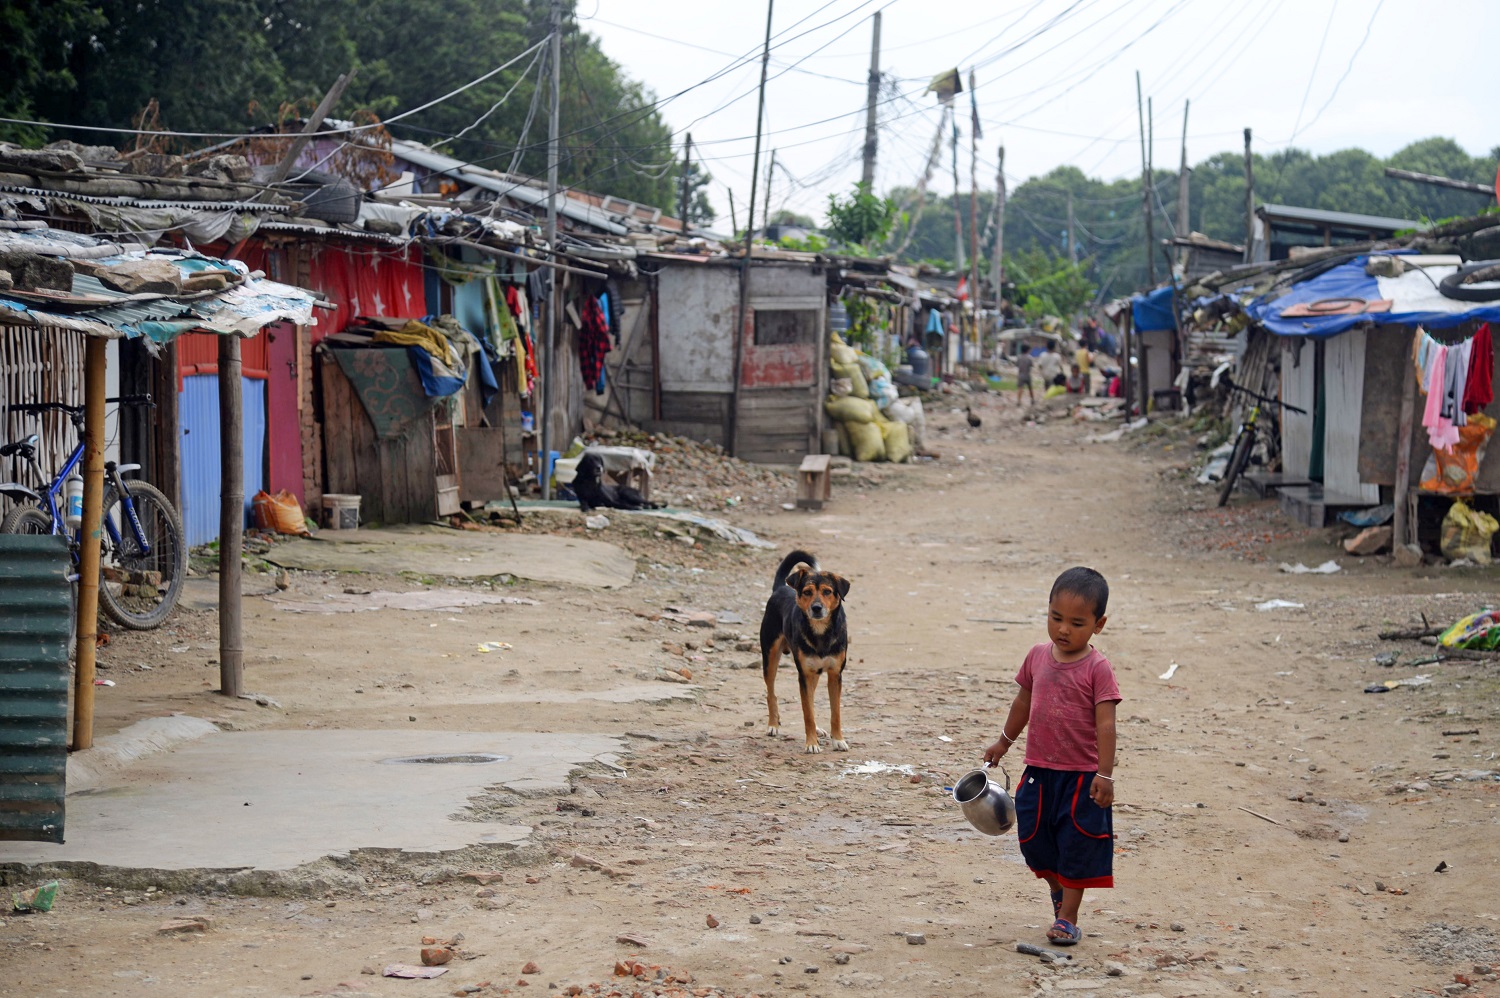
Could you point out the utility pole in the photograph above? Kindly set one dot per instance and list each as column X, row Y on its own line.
column 732, row 444
column 1145, row 184
column 687, row 167
column 1072, row 233
column 997, row 265
column 958, row 222
column 1249, row 201
column 974, row 203
column 1184, row 227
column 549, row 357
column 765, row 215
column 872, row 134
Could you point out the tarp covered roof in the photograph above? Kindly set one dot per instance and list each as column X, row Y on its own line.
column 1153, row 310
column 1414, row 297
column 94, row 308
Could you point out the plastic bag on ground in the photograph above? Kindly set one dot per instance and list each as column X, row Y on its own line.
column 867, row 440
column 1466, row 533
column 882, row 392
column 1453, row 470
column 897, row 441
column 280, row 513
column 1478, row 631
column 910, row 412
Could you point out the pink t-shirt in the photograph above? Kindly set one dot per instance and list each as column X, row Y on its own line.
column 1060, row 732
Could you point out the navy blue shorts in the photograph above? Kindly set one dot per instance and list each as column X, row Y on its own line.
column 1062, row 832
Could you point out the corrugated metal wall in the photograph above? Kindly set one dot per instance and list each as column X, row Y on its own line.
column 198, row 414
column 35, row 608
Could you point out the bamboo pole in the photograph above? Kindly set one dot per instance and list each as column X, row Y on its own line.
column 94, row 361
column 231, row 516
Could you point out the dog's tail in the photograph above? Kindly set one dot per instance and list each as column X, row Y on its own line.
column 790, row 562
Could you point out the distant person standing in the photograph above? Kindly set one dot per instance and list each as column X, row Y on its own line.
column 1023, row 377
column 1082, row 358
column 1050, row 366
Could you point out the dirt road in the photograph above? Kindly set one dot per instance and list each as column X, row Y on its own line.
column 1278, row 829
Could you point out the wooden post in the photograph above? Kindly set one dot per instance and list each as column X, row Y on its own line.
column 550, row 369
column 687, row 163
column 169, row 471
column 1249, row 201
column 231, row 516
column 1404, row 531
column 731, row 443
column 999, row 262
column 94, row 361
column 1127, row 376
column 765, row 215
column 1145, row 186
column 313, row 124
column 1184, row 228
column 872, row 97
column 974, row 204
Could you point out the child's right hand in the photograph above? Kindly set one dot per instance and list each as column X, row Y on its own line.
column 996, row 752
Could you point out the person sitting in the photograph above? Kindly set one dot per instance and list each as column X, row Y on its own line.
column 1076, row 384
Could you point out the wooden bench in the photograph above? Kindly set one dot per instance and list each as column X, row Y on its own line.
column 814, row 482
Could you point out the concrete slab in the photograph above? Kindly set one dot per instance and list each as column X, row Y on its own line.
column 460, row 554
column 276, row 800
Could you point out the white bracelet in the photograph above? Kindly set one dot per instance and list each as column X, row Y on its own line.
column 1103, row 777
column 1008, row 739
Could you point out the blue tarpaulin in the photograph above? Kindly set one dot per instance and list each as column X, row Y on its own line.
column 1153, row 311
column 1414, row 299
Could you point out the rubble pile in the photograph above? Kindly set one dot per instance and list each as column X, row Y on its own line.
column 699, row 475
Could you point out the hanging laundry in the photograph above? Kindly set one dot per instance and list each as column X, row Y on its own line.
column 593, row 344
column 1479, row 391
column 1441, row 433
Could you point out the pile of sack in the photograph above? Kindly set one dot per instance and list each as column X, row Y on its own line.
column 873, row 422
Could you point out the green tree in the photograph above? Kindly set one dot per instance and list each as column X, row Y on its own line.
column 861, row 219
column 36, row 57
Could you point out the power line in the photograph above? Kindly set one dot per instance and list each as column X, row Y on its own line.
column 1317, row 60
column 1347, row 69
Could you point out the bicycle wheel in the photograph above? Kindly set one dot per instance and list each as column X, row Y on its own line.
column 1237, row 461
column 26, row 520
column 138, row 590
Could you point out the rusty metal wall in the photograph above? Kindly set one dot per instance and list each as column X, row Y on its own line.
column 35, row 616
column 39, row 364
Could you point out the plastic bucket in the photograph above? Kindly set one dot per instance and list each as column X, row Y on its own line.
column 340, row 512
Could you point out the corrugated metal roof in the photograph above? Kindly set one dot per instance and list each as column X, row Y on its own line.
column 240, row 310
column 35, row 612
column 1321, row 216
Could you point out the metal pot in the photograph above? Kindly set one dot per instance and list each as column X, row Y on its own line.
column 986, row 803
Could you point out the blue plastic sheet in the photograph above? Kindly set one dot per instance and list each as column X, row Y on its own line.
column 1349, row 280
column 1153, row 311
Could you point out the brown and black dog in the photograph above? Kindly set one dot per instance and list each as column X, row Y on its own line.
column 805, row 619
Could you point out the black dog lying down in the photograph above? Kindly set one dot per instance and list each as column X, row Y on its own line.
column 593, row 493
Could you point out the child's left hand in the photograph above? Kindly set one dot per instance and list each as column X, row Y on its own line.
column 1102, row 792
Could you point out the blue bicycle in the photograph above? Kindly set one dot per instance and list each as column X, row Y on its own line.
column 143, row 559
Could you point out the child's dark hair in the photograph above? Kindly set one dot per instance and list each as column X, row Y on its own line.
column 1085, row 583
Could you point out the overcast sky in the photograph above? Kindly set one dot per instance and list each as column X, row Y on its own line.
column 1056, row 81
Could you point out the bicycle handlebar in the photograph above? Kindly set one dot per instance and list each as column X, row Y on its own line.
column 37, row 408
column 1262, row 398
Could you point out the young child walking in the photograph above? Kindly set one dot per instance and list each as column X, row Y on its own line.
column 1067, row 699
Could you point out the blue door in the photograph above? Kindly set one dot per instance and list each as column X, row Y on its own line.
column 198, row 412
